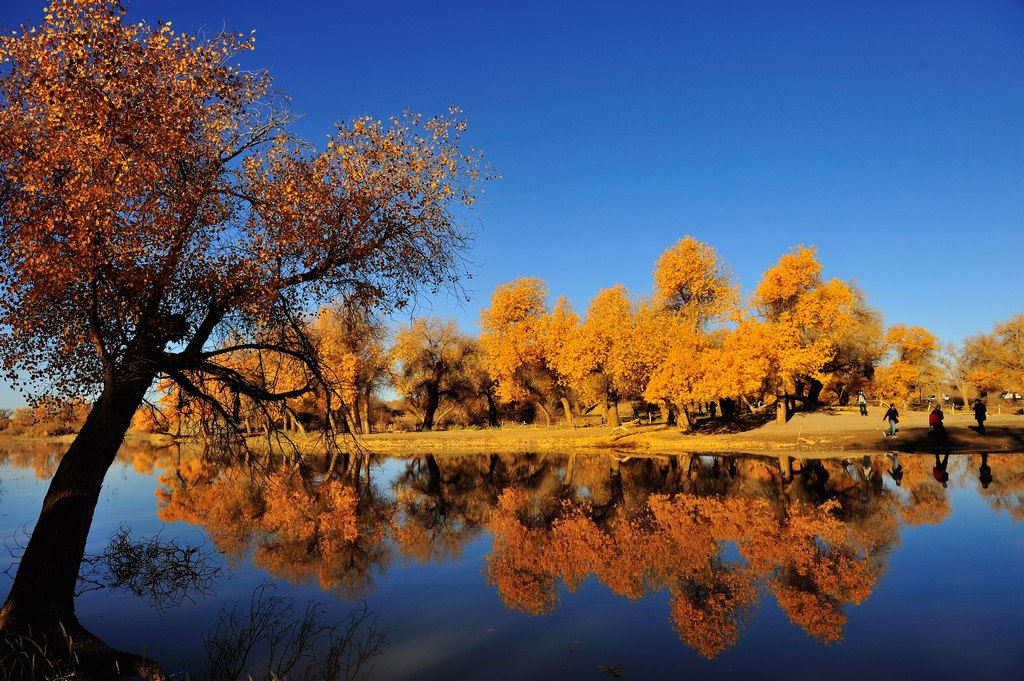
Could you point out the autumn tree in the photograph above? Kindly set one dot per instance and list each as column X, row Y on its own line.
column 859, row 349
column 996, row 360
column 350, row 342
column 681, row 379
column 912, row 350
column 692, row 289
column 521, row 336
column 806, row 316
column 690, row 281
column 430, row 359
column 598, row 357
column 154, row 212
column 747, row 365
column 954, row 362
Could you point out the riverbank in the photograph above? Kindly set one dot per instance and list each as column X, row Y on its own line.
column 822, row 431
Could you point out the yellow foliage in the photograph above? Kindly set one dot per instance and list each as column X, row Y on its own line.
column 523, row 341
column 689, row 280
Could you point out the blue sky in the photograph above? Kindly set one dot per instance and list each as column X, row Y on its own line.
column 888, row 134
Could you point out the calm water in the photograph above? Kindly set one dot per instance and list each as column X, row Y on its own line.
column 540, row 566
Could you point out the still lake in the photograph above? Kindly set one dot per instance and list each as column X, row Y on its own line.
column 589, row 566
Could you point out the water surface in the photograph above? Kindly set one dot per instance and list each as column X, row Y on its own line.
column 547, row 566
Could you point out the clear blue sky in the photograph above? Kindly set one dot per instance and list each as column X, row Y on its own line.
column 888, row 134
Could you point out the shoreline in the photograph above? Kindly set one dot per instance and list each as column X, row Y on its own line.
column 826, row 431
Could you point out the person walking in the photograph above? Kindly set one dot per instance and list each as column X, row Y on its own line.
column 862, row 402
column 979, row 415
column 893, row 417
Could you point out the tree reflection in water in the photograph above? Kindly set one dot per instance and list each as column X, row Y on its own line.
column 712, row 532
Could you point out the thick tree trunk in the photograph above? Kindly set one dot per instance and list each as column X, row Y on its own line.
column 42, row 597
column 670, row 414
column 813, row 393
column 430, row 407
column 364, row 414
column 685, row 419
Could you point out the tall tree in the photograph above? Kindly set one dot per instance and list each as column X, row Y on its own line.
column 429, row 364
column 692, row 289
column 913, row 350
column 807, row 316
column 598, row 358
column 350, row 341
column 153, row 209
column 996, row 359
column 521, row 337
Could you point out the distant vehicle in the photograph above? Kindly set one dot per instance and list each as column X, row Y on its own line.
column 1010, row 396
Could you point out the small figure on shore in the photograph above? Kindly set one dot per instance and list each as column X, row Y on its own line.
column 979, row 415
column 935, row 421
column 939, row 471
column 862, row 402
column 893, row 417
column 897, row 470
column 984, row 472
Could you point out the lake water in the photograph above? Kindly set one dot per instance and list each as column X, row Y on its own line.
column 591, row 566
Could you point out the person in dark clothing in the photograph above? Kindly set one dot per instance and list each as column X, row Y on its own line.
column 893, row 417
column 862, row 402
column 979, row 415
column 935, row 421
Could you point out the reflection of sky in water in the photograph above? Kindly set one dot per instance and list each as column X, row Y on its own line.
column 946, row 606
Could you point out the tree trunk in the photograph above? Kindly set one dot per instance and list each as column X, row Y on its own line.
column 670, row 414
column 685, row 421
column 296, row 422
column 430, row 408
column 612, row 413
column 356, row 421
column 813, row 394
column 42, row 597
column 364, row 414
column 545, row 412
column 567, row 408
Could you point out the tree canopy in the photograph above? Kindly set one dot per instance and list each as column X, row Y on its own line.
column 158, row 220
column 153, row 202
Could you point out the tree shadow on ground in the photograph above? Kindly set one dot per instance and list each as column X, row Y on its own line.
column 736, row 424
